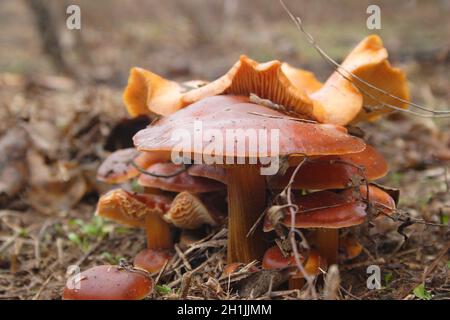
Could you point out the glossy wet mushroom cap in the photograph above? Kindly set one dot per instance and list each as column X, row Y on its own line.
column 274, row 259
column 335, row 172
column 171, row 177
column 236, row 113
column 332, row 210
column 107, row 282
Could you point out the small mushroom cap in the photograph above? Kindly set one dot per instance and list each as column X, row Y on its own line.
column 274, row 259
column 379, row 198
column 152, row 260
column 350, row 247
column 335, row 172
column 108, row 282
column 228, row 113
column 129, row 208
column 117, row 167
column 189, row 212
column 178, row 183
column 326, row 209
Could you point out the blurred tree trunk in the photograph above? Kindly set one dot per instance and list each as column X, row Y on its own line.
column 47, row 29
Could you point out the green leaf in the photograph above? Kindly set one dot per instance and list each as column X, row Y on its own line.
column 72, row 236
column 388, row 279
column 163, row 289
column 421, row 293
column 448, row 264
column 136, row 187
column 445, row 219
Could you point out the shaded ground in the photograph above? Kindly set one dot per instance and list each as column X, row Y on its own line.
column 66, row 123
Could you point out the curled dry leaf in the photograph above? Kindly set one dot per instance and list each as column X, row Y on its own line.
column 54, row 188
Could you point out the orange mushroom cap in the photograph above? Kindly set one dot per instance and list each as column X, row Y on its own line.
column 335, row 172
column 274, row 259
column 152, row 260
column 147, row 92
column 117, row 167
column 339, row 101
column 130, row 208
column 108, row 282
column 301, row 78
column 178, row 183
column 326, row 209
column 350, row 247
column 234, row 113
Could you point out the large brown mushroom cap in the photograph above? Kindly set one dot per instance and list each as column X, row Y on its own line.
column 108, row 283
column 335, row 172
column 179, row 182
column 234, row 113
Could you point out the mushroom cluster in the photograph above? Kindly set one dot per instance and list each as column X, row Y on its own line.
column 324, row 185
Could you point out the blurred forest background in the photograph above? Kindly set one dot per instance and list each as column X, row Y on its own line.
column 60, row 106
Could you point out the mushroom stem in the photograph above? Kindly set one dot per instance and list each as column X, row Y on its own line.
column 296, row 283
column 327, row 243
column 246, row 202
column 158, row 231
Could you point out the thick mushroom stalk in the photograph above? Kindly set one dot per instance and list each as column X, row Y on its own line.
column 246, row 185
column 246, row 202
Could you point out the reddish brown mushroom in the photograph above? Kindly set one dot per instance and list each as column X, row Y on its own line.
column 335, row 172
column 118, row 167
column 171, row 177
column 108, row 282
column 329, row 211
column 350, row 247
column 246, row 186
column 313, row 264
